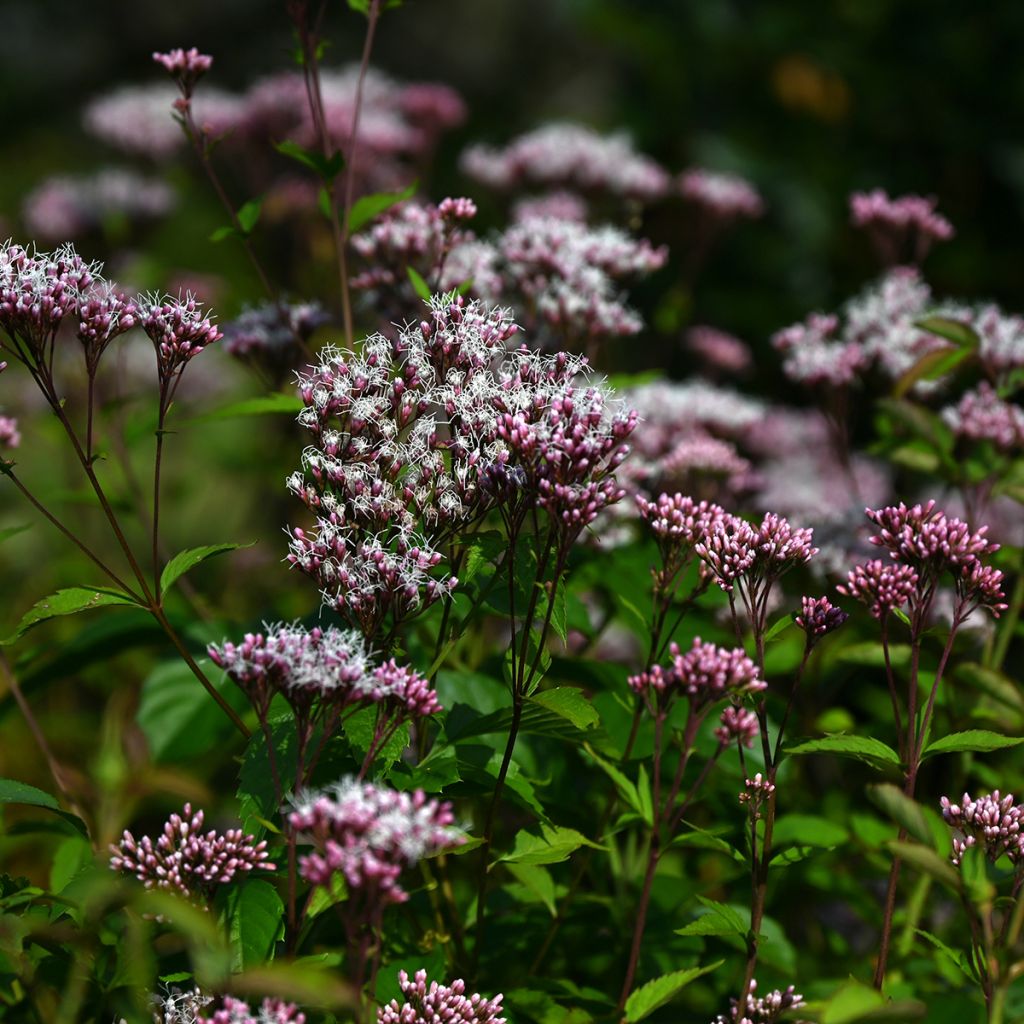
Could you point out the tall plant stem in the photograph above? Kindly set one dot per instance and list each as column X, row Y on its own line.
column 157, row 463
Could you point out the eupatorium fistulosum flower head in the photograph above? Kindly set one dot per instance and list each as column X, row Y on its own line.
column 368, row 834
column 178, row 329
column 186, row 860
column 819, row 617
column 992, row 822
column 438, row 1004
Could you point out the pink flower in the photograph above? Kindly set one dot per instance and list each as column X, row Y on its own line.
column 882, row 586
column 738, row 724
column 896, row 224
column 186, row 67
column 725, row 196
column 439, row 1003
column 818, row 617
column 991, row 821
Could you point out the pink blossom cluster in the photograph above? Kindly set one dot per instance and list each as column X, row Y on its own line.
column 677, row 519
column 104, row 313
column 179, row 330
column 439, row 1004
column 981, row 415
column 703, row 675
column 755, row 793
column 10, row 436
column 68, row 207
column 902, row 226
column 719, row 350
column 735, row 551
column 415, row 439
column 270, row 1011
column 186, row 860
column 368, row 834
column 332, row 666
column 560, row 204
column 739, row 725
column 993, row 823
column 186, row 67
column 274, row 335
column 765, row 1009
column 1001, row 338
column 572, row 156
column 813, row 356
column 567, row 274
column 725, row 197
column 925, row 544
column 818, row 617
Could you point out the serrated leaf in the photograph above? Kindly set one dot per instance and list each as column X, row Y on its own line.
column 183, row 561
column 976, row 741
column 255, row 923
column 536, row 880
column 70, row 601
column 864, row 748
column 552, row 846
column 249, row 214
column 365, row 208
column 419, row 286
column 643, row 1001
column 958, row 959
column 176, row 714
column 14, row 792
column 569, row 703
column 720, row 919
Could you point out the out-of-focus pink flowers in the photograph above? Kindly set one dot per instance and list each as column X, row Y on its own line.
column 368, row 834
column 724, row 197
column 188, row 861
column 270, row 1011
column 718, row 350
column 981, row 415
column 900, row 228
column 569, row 155
column 436, row 1003
column 9, row 434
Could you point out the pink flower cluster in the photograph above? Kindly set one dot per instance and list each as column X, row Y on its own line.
column 10, row 436
column 703, row 675
column 186, row 860
column 676, row 519
column 739, row 725
column 991, row 822
column 331, row 666
column 270, row 1011
column 569, row 155
column 719, row 350
column 765, row 1009
column 438, row 1004
column 67, row 207
column 725, row 197
column 813, row 356
column 273, row 335
column 903, row 226
column 926, row 544
column 819, row 617
column 179, row 330
column 186, row 67
column 368, row 834
column 981, row 415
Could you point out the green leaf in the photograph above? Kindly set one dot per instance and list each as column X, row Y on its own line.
column 626, row 790
column 537, row 881
column 255, row 923
column 328, row 168
column 325, row 204
column 552, row 846
column 569, row 703
column 178, row 717
column 956, row 331
column 643, row 1001
column 14, row 792
column 249, row 213
column 360, row 729
column 957, row 958
column 13, row 531
column 366, row 208
column 809, row 830
column 995, row 684
column 719, row 920
column 903, row 810
column 864, row 748
column 420, row 286
column 185, row 560
column 932, row 365
column 260, row 406
column 779, row 626
column 925, row 859
column 223, row 232
column 484, row 549
column 855, row 1001
column 363, row 6
column 977, row 741
column 68, row 602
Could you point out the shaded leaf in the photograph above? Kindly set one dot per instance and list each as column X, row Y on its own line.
column 255, row 923
column 14, row 792
column 420, row 286
column 972, row 740
column 185, row 560
column 552, row 846
column 70, row 601
column 643, row 1001
column 864, row 748
column 365, row 208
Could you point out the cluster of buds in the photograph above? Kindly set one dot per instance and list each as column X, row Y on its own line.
column 991, row 822
column 186, row 860
column 331, row 666
column 436, row 1003
column 818, row 617
column 755, row 793
column 923, row 540
column 882, row 586
column 270, row 1011
column 186, row 67
column 739, row 725
column 368, row 834
column 703, row 675
column 765, row 1009
column 901, row 227
column 179, row 330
